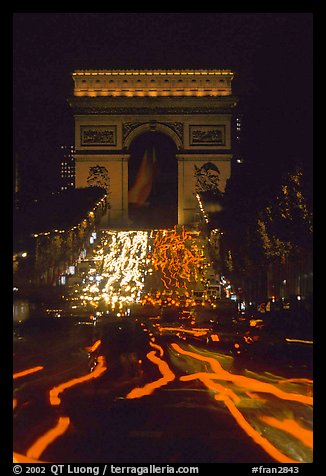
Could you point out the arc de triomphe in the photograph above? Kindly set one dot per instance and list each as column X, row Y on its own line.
column 113, row 107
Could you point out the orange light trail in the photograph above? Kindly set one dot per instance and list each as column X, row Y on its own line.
column 19, row 458
column 93, row 347
column 62, row 425
column 255, row 435
column 195, row 332
column 229, row 399
column 27, row 372
column 223, row 392
column 177, row 262
column 149, row 388
column 98, row 371
column 14, row 403
column 158, row 347
column 240, row 380
column 292, row 427
column 45, row 440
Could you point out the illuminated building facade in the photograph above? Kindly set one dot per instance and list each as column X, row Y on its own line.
column 111, row 108
column 67, row 167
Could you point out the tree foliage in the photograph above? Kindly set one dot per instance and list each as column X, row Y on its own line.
column 285, row 224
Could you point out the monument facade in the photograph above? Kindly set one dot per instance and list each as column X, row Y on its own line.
column 113, row 107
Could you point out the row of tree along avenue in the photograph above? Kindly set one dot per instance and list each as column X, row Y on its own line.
column 49, row 236
column 262, row 239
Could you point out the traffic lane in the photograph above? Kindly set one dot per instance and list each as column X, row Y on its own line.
column 265, row 354
column 88, row 408
column 275, row 412
column 276, row 396
column 172, row 425
column 49, row 340
column 159, row 423
column 37, row 398
column 55, row 350
column 32, row 411
column 247, row 344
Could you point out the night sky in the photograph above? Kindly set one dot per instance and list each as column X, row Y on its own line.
column 271, row 54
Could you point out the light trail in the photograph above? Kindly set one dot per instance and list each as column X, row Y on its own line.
column 158, row 347
column 41, row 444
column 230, row 400
column 251, row 384
column 93, row 347
column 19, row 458
column 299, row 341
column 255, row 435
column 178, row 262
column 148, row 389
column 292, row 427
column 195, row 332
column 240, row 380
column 297, row 380
column 120, row 268
column 23, row 373
column 56, row 391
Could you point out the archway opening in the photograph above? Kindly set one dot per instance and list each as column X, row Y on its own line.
column 153, row 181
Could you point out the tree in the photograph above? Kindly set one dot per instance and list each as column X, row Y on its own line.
column 285, row 224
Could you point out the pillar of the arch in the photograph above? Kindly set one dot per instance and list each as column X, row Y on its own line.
column 181, row 214
column 124, row 190
column 119, row 190
column 187, row 202
column 187, row 205
column 117, row 167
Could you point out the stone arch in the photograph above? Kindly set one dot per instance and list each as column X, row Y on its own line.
column 154, row 206
column 156, row 127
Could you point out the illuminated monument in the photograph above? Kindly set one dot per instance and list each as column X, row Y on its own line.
column 113, row 107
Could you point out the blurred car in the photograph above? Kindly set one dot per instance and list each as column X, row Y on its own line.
column 124, row 344
column 144, row 310
column 234, row 336
column 170, row 313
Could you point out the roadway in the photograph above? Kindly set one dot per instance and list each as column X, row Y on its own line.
column 103, row 380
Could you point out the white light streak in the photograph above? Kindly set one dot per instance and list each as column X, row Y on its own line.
column 120, row 263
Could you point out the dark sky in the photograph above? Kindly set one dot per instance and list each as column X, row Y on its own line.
column 271, row 54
